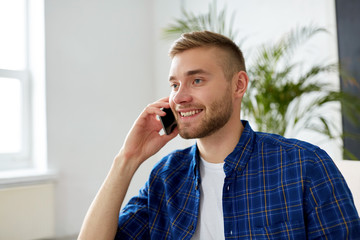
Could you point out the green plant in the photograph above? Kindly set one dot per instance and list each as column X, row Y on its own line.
column 283, row 96
column 212, row 21
column 278, row 88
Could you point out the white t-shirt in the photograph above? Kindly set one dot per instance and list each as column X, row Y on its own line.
column 211, row 218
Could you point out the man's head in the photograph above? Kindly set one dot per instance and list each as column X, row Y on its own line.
column 231, row 58
column 208, row 80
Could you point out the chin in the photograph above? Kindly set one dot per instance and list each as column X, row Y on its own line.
column 186, row 134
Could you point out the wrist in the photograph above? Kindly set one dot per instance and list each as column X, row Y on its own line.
column 127, row 162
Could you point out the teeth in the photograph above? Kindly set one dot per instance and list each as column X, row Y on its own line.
column 190, row 113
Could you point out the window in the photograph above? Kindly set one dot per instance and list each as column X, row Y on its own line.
column 21, row 83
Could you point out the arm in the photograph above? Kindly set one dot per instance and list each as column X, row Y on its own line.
column 142, row 142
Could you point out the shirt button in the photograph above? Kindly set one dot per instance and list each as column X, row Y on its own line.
column 191, row 227
column 228, row 188
column 197, row 184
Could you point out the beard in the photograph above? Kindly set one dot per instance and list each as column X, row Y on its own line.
column 217, row 115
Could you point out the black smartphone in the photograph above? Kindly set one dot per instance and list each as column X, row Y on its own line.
column 168, row 121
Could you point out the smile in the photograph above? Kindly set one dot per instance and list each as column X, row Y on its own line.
column 189, row 113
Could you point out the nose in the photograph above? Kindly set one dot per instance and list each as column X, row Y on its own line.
column 182, row 95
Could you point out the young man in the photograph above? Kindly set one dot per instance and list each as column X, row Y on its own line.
column 233, row 183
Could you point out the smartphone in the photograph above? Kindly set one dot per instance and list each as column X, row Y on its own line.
column 168, row 121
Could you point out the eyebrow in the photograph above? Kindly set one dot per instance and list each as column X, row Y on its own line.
column 191, row 73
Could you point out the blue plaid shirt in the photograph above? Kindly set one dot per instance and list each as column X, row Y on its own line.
column 275, row 188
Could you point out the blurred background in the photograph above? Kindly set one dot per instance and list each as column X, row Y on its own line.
column 77, row 74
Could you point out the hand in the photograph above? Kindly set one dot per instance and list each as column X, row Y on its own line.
column 144, row 139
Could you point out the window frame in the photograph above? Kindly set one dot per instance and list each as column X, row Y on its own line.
column 33, row 154
column 20, row 159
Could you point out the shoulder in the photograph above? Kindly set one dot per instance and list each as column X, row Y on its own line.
column 272, row 142
column 313, row 161
column 287, row 143
column 294, row 153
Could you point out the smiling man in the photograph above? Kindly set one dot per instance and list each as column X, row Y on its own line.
column 234, row 183
column 201, row 93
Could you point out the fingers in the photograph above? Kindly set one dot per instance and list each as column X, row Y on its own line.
column 144, row 138
column 155, row 108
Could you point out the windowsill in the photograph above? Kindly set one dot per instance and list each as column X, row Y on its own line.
column 26, row 177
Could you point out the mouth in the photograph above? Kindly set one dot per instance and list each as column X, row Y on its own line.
column 189, row 113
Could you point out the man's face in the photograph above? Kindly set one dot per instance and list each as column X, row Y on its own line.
column 201, row 96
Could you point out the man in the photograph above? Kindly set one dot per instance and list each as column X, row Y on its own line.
column 233, row 183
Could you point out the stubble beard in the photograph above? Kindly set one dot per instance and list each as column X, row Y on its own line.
column 218, row 114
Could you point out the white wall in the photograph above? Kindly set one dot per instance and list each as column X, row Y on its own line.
column 106, row 61
column 99, row 78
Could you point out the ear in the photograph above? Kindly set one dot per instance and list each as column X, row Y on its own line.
column 240, row 82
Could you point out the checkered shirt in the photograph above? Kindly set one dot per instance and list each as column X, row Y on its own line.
column 275, row 188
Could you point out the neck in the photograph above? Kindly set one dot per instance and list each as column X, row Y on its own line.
column 216, row 147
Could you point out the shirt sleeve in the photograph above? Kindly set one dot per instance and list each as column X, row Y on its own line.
column 133, row 219
column 331, row 213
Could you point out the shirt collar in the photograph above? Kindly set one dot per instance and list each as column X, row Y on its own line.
column 195, row 160
column 237, row 159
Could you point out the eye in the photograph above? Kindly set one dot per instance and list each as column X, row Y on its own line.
column 197, row 81
column 174, row 85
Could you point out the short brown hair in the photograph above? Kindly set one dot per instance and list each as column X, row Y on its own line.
column 233, row 62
